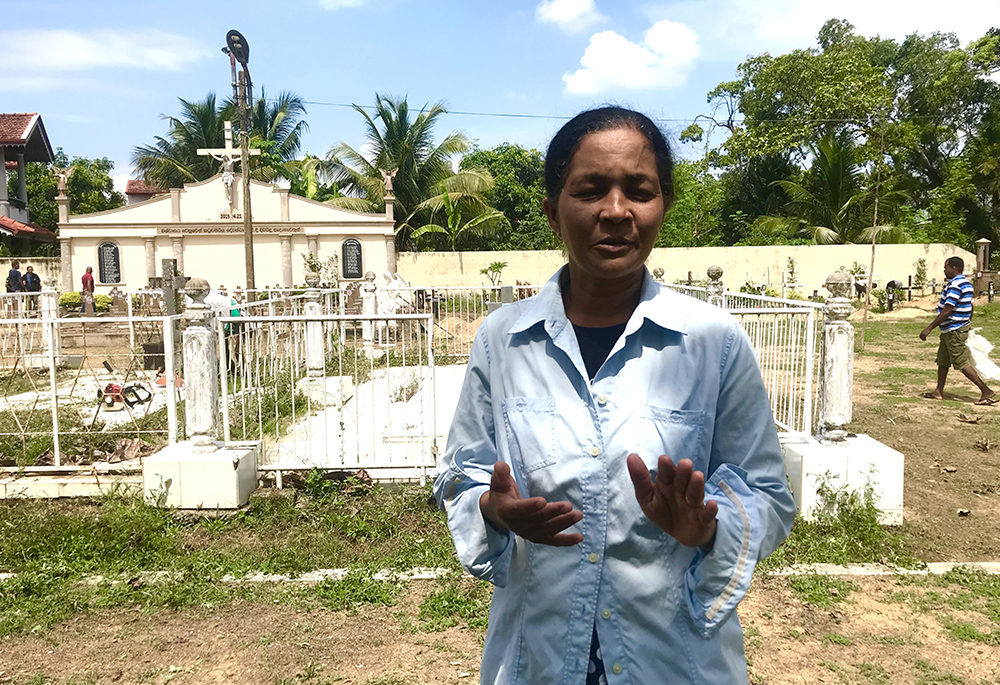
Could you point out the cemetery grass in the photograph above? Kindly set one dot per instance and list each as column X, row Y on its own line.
column 60, row 623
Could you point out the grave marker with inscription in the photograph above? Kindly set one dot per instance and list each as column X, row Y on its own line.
column 109, row 266
column 351, row 258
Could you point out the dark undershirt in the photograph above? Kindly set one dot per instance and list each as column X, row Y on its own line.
column 596, row 344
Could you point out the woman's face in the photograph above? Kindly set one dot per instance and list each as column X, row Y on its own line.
column 611, row 207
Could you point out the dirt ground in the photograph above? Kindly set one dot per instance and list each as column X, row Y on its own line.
column 885, row 631
column 950, row 464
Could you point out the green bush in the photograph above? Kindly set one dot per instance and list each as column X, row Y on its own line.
column 882, row 299
column 75, row 301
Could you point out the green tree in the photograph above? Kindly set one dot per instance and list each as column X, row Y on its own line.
column 693, row 221
column 456, row 226
column 399, row 143
column 831, row 204
column 276, row 125
column 518, row 190
column 90, row 188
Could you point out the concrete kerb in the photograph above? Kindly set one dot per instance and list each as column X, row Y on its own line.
column 430, row 573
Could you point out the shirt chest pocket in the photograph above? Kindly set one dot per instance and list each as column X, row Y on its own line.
column 676, row 433
column 530, row 423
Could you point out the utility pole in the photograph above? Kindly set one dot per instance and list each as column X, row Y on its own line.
column 239, row 51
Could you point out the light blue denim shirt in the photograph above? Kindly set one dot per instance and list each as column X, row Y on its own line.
column 682, row 381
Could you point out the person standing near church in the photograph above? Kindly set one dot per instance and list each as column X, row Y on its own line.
column 955, row 317
column 32, row 284
column 88, row 280
column 15, row 283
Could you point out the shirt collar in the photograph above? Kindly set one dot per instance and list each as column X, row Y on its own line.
column 657, row 304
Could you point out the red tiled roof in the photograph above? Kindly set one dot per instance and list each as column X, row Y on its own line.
column 28, row 230
column 10, row 165
column 140, row 187
column 26, row 134
column 14, row 128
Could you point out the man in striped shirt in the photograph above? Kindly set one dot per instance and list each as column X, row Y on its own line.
column 954, row 316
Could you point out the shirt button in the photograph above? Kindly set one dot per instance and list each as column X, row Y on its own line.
column 595, row 451
column 616, row 669
column 606, row 613
column 602, row 400
column 593, row 557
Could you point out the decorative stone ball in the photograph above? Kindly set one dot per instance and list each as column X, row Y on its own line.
column 312, row 279
column 715, row 272
column 839, row 284
column 658, row 273
column 197, row 289
column 369, row 275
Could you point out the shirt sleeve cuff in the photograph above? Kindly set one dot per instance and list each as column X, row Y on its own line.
column 716, row 581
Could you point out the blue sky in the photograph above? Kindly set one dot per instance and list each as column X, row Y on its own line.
column 101, row 72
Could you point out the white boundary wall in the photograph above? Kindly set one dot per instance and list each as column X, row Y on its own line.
column 761, row 264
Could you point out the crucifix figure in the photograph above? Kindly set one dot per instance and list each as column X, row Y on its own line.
column 228, row 155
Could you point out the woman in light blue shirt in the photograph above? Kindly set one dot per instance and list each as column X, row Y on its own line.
column 613, row 467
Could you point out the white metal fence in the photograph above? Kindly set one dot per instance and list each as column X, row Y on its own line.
column 79, row 390
column 331, row 391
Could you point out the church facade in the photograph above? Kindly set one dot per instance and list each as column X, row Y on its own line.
column 201, row 226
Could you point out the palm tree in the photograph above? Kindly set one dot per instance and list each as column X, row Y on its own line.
column 173, row 161
column 277, row 126
column 397, row 142
column 832, row 205
column 484, row 223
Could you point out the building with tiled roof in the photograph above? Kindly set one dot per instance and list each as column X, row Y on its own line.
column 137, row 190
column 22, row 140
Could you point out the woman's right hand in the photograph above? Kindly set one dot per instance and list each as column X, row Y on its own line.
column 534, row 518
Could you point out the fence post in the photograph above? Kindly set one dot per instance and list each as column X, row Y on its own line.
column 315, row 357
column 715, row 288
column 837, row 382
column 201, row 370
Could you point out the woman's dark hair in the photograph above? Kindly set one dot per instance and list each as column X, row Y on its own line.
column 567, row 140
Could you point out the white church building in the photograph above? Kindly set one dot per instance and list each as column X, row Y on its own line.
column 201, row 226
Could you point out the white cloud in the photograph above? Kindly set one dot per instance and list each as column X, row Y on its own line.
column 569, row 15
column 752, row 26
column 612, row 62
column 340, row 4
column 39, row 53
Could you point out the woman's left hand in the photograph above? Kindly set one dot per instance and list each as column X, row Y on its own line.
column 675, row 501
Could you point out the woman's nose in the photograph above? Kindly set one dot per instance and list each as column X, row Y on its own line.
column 615, row 206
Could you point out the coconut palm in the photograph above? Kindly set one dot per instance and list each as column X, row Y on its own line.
column 398, row 142
column 832, row 205
column 484, row 223
column 277, row 126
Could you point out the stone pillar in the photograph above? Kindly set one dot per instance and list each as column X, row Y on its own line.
column 150, row 245
column 837, row 381
column 390, row 207
column 4, row 203
column 286, row 260
column 315, row 357
column 390, row 255
column 177, row 248
column 716, row 290
column 175, row 204
column 66, row 260
column 201, row 369
column 62, row 203
column 283, row 201
column 22, row 186
column 983, row 273
column 312, row 240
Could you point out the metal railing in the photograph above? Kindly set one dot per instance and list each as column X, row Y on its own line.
column 80, row 391
column 332, row 391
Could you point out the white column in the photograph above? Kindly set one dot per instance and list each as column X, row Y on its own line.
column 177, row 246
column 286, row 260
column 390, row 255
column 201, row 369
column 315, row 355
column 715, row 288
column 150, row 245
column 313, row 244
column 837, row 382
column 66, row 263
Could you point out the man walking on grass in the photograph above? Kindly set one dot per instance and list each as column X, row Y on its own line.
column 954, row 316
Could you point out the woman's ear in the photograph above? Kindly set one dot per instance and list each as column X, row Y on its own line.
column 552, row 214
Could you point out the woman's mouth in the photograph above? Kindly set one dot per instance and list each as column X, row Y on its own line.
column 613, row 246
